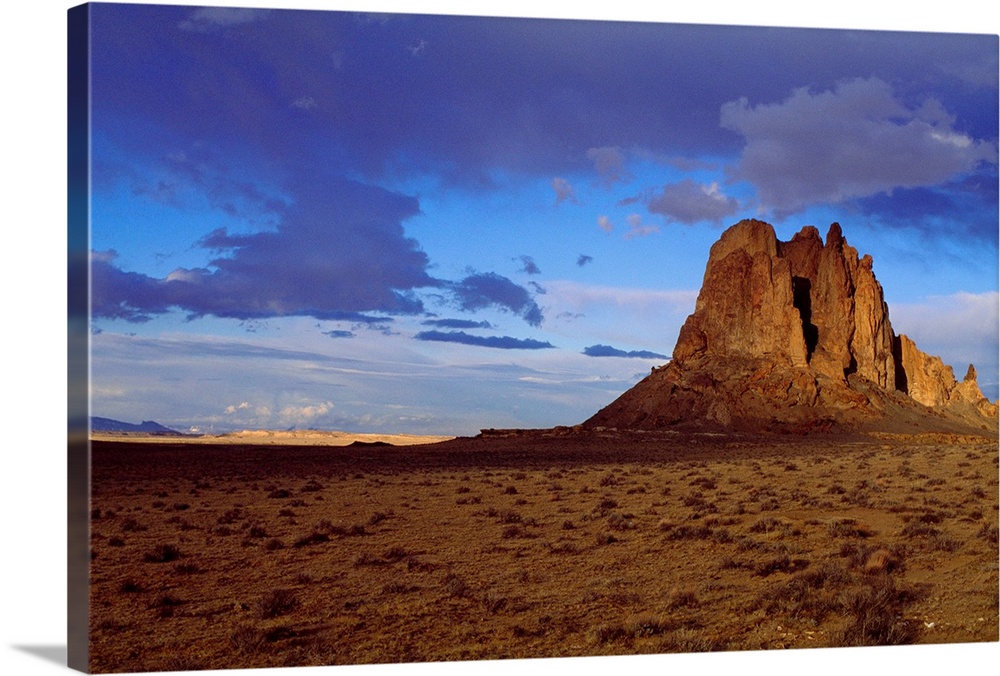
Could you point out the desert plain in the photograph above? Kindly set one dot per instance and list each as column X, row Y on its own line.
column 536, row 543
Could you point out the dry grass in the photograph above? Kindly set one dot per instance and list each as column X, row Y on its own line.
column 507, row 548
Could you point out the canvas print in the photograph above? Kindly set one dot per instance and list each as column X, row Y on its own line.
column 402, row 338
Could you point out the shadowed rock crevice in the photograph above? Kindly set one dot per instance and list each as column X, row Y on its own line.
column 801, row 287
column 795, row 336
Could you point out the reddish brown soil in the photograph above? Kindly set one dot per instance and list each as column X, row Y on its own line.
column 208, row 557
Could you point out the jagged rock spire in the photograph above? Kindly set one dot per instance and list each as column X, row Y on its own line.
column 788, row 333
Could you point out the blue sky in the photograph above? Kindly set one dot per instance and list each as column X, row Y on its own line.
column 430, row 224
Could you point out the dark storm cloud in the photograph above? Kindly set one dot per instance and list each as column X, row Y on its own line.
column 855, row 140
column 457, row 324
column 529, row 266
column 689, row 202
column 483, row 290
column 608, row 351
column 967, row 207
column 339, row 252
column 609, row 162
column 500, row 342
column 491, row 92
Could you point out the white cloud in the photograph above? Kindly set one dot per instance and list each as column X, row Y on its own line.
column 855, row 141
column 689, row 202
column 205, row 19
column 242, row 406
column 578, row 298
column 304, row 413
column 961, row 328
column 637, row 228
column 564, row 190
column 609, row 162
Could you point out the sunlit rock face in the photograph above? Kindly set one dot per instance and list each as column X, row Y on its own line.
column 793, row 336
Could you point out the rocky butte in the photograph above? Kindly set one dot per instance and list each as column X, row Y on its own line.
column 795, row 337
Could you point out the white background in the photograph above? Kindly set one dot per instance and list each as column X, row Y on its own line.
column 32, row 542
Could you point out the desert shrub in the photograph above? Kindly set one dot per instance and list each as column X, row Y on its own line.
column 606, row 539
column 691, row 641
column 494, row 602
column 682, row 598
column 455, row 586
column 377, row 518
column 280, row 493
column 619, row 521
column 636, row 627
column 312, row 486
column 162, row 554
column 231, row 516
column 568, row 525
column 609, row 633
column 510, row 516
column 919, row 529
column 722, row 536
column 988, row 532
column 247, row 639
column 257, row 531
column 130, row 587
column 686, row 532
column 769, row 524
column 945, row 543
column 769, row 504
column 876, row 614
column 847, row 528
column 165, row 604
column 394, row 554
column 276, row 602
column 512, row 531
column 608, row 480
column 313, row 538
column 782, row 563
column 115, row 541
column 810, row 594
column 274, row 544
column 605, row 506
column 367, row 559
column 187, row 568
column 510, row 490
column 130, row 525
column 397, row 587
column 563, row 547
column 413, row 563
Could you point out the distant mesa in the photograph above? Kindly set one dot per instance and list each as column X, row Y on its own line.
column 145, row 427
column 795, row 337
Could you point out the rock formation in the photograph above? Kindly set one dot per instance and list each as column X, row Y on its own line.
column 794, row 336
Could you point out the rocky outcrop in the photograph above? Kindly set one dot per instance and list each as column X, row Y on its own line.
column 790, row 335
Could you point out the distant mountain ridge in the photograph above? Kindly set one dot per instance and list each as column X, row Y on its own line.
column 98, row 424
